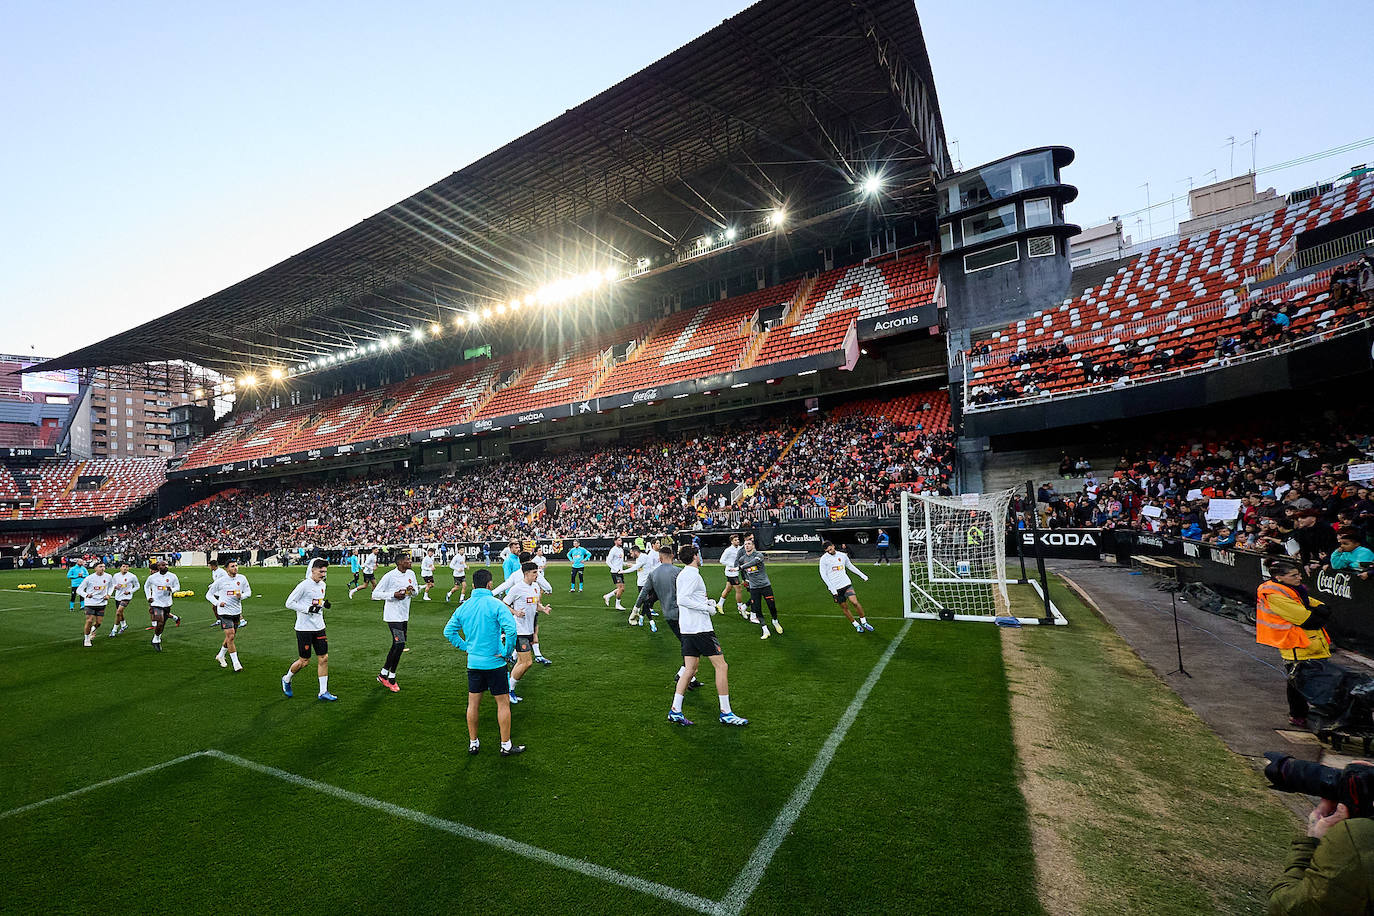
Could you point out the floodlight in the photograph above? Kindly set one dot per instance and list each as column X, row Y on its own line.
column 706, row 241
column 514, row 304
column 276, row 375
column 435, row 329
column 417, row 334
column 872, row 184
column 198, row 393
column 778, row 217
column 486, row 312
column 458, row 321
column 500, row 308
column 248, row 380
column 730, row 234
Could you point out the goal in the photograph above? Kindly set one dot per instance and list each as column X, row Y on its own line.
column 954, row 556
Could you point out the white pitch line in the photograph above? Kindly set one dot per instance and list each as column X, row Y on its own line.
column 39, row 645
column 651, row 888
column 749, row 877
column 30, row 591
column 115, row 780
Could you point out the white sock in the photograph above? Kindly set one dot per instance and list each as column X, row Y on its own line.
column 474, row 743
column 288, row 675
column 505, row 745
column 157, row 637
column 513, row 682
column 234, row 657
column 223, row 651
column 384, row 673
column 677, row 702
column 681, row 670
column 725, row 704
column 619, row 606
column 863, row 619
column 857, row 625
column 536, row 649
column 609, row 595
column 324, row 684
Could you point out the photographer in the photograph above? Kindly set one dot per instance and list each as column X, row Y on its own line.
column 1287, row 619
column 1331, row 869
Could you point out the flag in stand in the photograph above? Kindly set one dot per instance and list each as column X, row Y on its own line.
column 837, row 513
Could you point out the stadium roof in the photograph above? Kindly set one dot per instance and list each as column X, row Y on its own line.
column 788, row 103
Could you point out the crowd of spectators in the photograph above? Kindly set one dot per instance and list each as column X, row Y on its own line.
column 1295, row 496
column 857, row 459
column 1267, row 323
column 650, row 485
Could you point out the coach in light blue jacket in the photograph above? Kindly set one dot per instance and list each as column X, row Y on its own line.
column 484, row 628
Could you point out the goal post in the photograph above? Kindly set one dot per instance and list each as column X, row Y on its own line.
column 954, row 557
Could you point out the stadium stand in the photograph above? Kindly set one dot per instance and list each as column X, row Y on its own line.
column 848, row 294
column 112, row 486
column 646, row 485
column 860, row 454
column 561, row 378
column 698, row 343
column 438, row 398
column 1169, row 308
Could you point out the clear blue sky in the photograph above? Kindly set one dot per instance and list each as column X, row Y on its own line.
column 157, row 153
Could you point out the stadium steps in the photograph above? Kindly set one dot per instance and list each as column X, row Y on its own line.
column 789, row 318
column 491, row 392
column 1011, row 470
column 774, row 466
column 71, row 482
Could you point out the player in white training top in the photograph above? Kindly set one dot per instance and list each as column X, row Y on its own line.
column 226, row 596
column 94, row 592
column 396, row 589
column 730, row 560
column 615, row 559
column 523, row 600
column 124, row 584
column 460, row 575
column 640, row 565
column 370, row 560
column 160, row 587
column 833, row 566
column 309, row 602
column 426, row 570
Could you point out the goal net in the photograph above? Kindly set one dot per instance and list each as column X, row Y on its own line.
column 954, row 555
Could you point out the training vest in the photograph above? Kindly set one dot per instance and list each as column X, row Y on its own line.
column 1270, row 628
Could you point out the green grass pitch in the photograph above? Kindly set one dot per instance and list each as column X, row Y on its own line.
column 917, row 812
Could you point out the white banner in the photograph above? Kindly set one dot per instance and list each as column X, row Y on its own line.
column 312, row 523
column 1361, row 471
column 435, row 514
column 1222, row 510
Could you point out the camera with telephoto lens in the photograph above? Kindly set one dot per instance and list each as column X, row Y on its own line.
column 1352, row 786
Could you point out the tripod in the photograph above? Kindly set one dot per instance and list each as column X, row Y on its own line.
column 1172, row 588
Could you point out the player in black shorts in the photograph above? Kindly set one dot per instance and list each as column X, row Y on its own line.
column 309, row 603
column 698, row 639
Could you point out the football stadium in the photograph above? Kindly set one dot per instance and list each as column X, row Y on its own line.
column 1038, row 554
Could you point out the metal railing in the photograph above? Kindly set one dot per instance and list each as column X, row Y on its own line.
column 1152, row 377
column 1353, row 245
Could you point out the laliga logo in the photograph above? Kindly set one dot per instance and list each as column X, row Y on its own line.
column 648, row 395
column 1336, row 584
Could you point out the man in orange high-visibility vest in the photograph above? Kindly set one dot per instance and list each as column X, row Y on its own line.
column 1287, row 619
